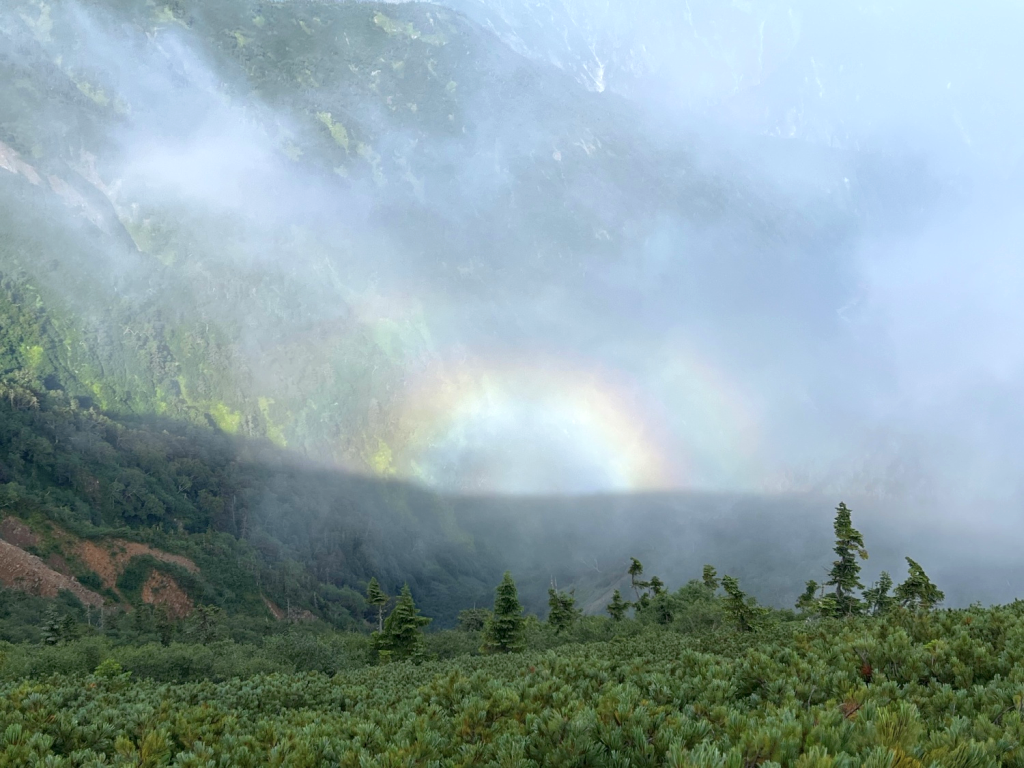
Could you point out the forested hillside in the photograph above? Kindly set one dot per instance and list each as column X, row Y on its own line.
column 255, row 525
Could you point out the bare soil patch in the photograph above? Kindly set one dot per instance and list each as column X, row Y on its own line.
column 26, row 572
column 161, row 589
column 14, row 531
column 109, row 558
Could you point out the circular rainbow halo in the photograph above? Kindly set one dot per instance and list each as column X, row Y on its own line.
column 541, row 428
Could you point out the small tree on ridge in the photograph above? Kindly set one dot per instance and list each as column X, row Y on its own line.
column 402, row 635
column 378, row 598
column 845, row 572
column 617, row 607
column 505, row 631
column 918, row 591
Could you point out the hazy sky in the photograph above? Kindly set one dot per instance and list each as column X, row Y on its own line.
column 887, row 360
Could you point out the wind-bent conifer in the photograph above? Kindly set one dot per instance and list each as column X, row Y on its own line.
column 636, row 570
column 656, row 585
column 808, row 602
column 845, row 573
column 877, row 597
column 742, row 609
column 918, row 591
column 710, row 578
column 376, row 597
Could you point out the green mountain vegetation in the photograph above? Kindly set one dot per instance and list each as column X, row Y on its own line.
column 172, row 348
column 236, row 236
column 693, row 678
column 939, row 690
column 255, row 527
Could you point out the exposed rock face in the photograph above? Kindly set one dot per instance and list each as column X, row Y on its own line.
column 293, row 614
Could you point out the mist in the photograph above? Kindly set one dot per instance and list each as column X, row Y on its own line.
column 576, row 247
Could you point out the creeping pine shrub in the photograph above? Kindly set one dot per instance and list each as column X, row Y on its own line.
column 903, row 689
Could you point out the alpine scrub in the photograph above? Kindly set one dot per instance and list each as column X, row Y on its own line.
column 693, row 678
column 909, row 689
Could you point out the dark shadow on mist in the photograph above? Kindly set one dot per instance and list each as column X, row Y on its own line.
column 344, row 528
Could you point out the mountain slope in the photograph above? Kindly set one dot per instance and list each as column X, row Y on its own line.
column 294, row 213
column 254, row 254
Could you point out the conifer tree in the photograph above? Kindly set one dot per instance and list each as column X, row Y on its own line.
column 636, row 570
column 664, row 608
column 204, row 625
column 918, row 591
column 378, row 598
column 845, row 573
column 617, row 607
column 164, row 625
column 877, row 597
column 743, row 609
column 402, row 635
column 51, row 628
column 710, row 578
column 564, row 612
column 656, row 585
column 505, row 631
column 808, row 602
column 68, row 628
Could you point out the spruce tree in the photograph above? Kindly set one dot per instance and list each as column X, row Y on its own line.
column 617, row 607
column 564, row 612
column 402, row 635
column 918, row 591
column 505, row 631
column 376, row 597
column 710, row 578
column 845, row 573
column 51, row 629
column 643, row 603
column 204, row 625
column 877, row 597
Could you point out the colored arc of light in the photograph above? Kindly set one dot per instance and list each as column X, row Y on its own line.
column 681, row 422
column 537, row 413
